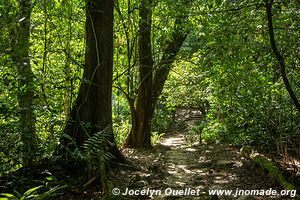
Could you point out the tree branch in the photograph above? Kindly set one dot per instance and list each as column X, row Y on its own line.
column 278, row 56
column 168, row 57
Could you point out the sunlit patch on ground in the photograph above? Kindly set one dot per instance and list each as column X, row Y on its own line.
column 174, row 163
column 191, row 149
column 173, row 141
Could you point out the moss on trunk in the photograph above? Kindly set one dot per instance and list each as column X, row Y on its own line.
column 267, row 165
column 273, row 170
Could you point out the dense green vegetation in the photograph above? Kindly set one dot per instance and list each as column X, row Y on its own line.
column 238, row 62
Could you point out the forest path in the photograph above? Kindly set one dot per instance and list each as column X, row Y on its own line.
column 175, row 163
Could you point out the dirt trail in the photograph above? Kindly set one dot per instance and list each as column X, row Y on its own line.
column 176, row 164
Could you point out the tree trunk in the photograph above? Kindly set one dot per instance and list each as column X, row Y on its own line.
column 151, row 85
column 21, row 58
column 140, row 133
column 92, row 111
column 172, row 48
column 279, row 56
column 67, row 97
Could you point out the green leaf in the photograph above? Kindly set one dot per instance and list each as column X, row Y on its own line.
column 55, row 189
column 30, row 191
column 18, row 195
column 34, row 197
column 8, row 196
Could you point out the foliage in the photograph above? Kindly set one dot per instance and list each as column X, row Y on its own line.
column 225, row 68
column 246, row 90
column 96, row 150
column 121, row 118
column 91, row 156
column 232, row 67
column 56, row 53
column 32, row 194
column 156, row 137
column 163, row 120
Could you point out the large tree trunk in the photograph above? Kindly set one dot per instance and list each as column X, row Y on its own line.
column 20, row 56
column 92, row 111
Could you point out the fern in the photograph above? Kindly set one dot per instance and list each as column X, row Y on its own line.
column 96, row 151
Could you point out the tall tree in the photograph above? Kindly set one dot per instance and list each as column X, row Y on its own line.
column 20, row 42
column 140, row 133
column 92, row 110
column 278, row 55
column 151, row 79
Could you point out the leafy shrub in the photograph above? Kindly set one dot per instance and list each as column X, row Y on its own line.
column 155, row 137
column 32, row 194
column 163, row 120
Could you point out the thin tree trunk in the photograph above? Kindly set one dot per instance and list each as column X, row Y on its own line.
column 278, row 56
column 67, row 97
column 20, row 56
column 172, row 48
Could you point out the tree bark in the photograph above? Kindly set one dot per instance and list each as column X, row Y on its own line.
column 140, row 133
column 92, row 110
column 151, row 84
column 20, row 55
column 172, row 48
column 278, row 56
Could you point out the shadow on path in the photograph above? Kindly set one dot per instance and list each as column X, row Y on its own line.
column 179, row 166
